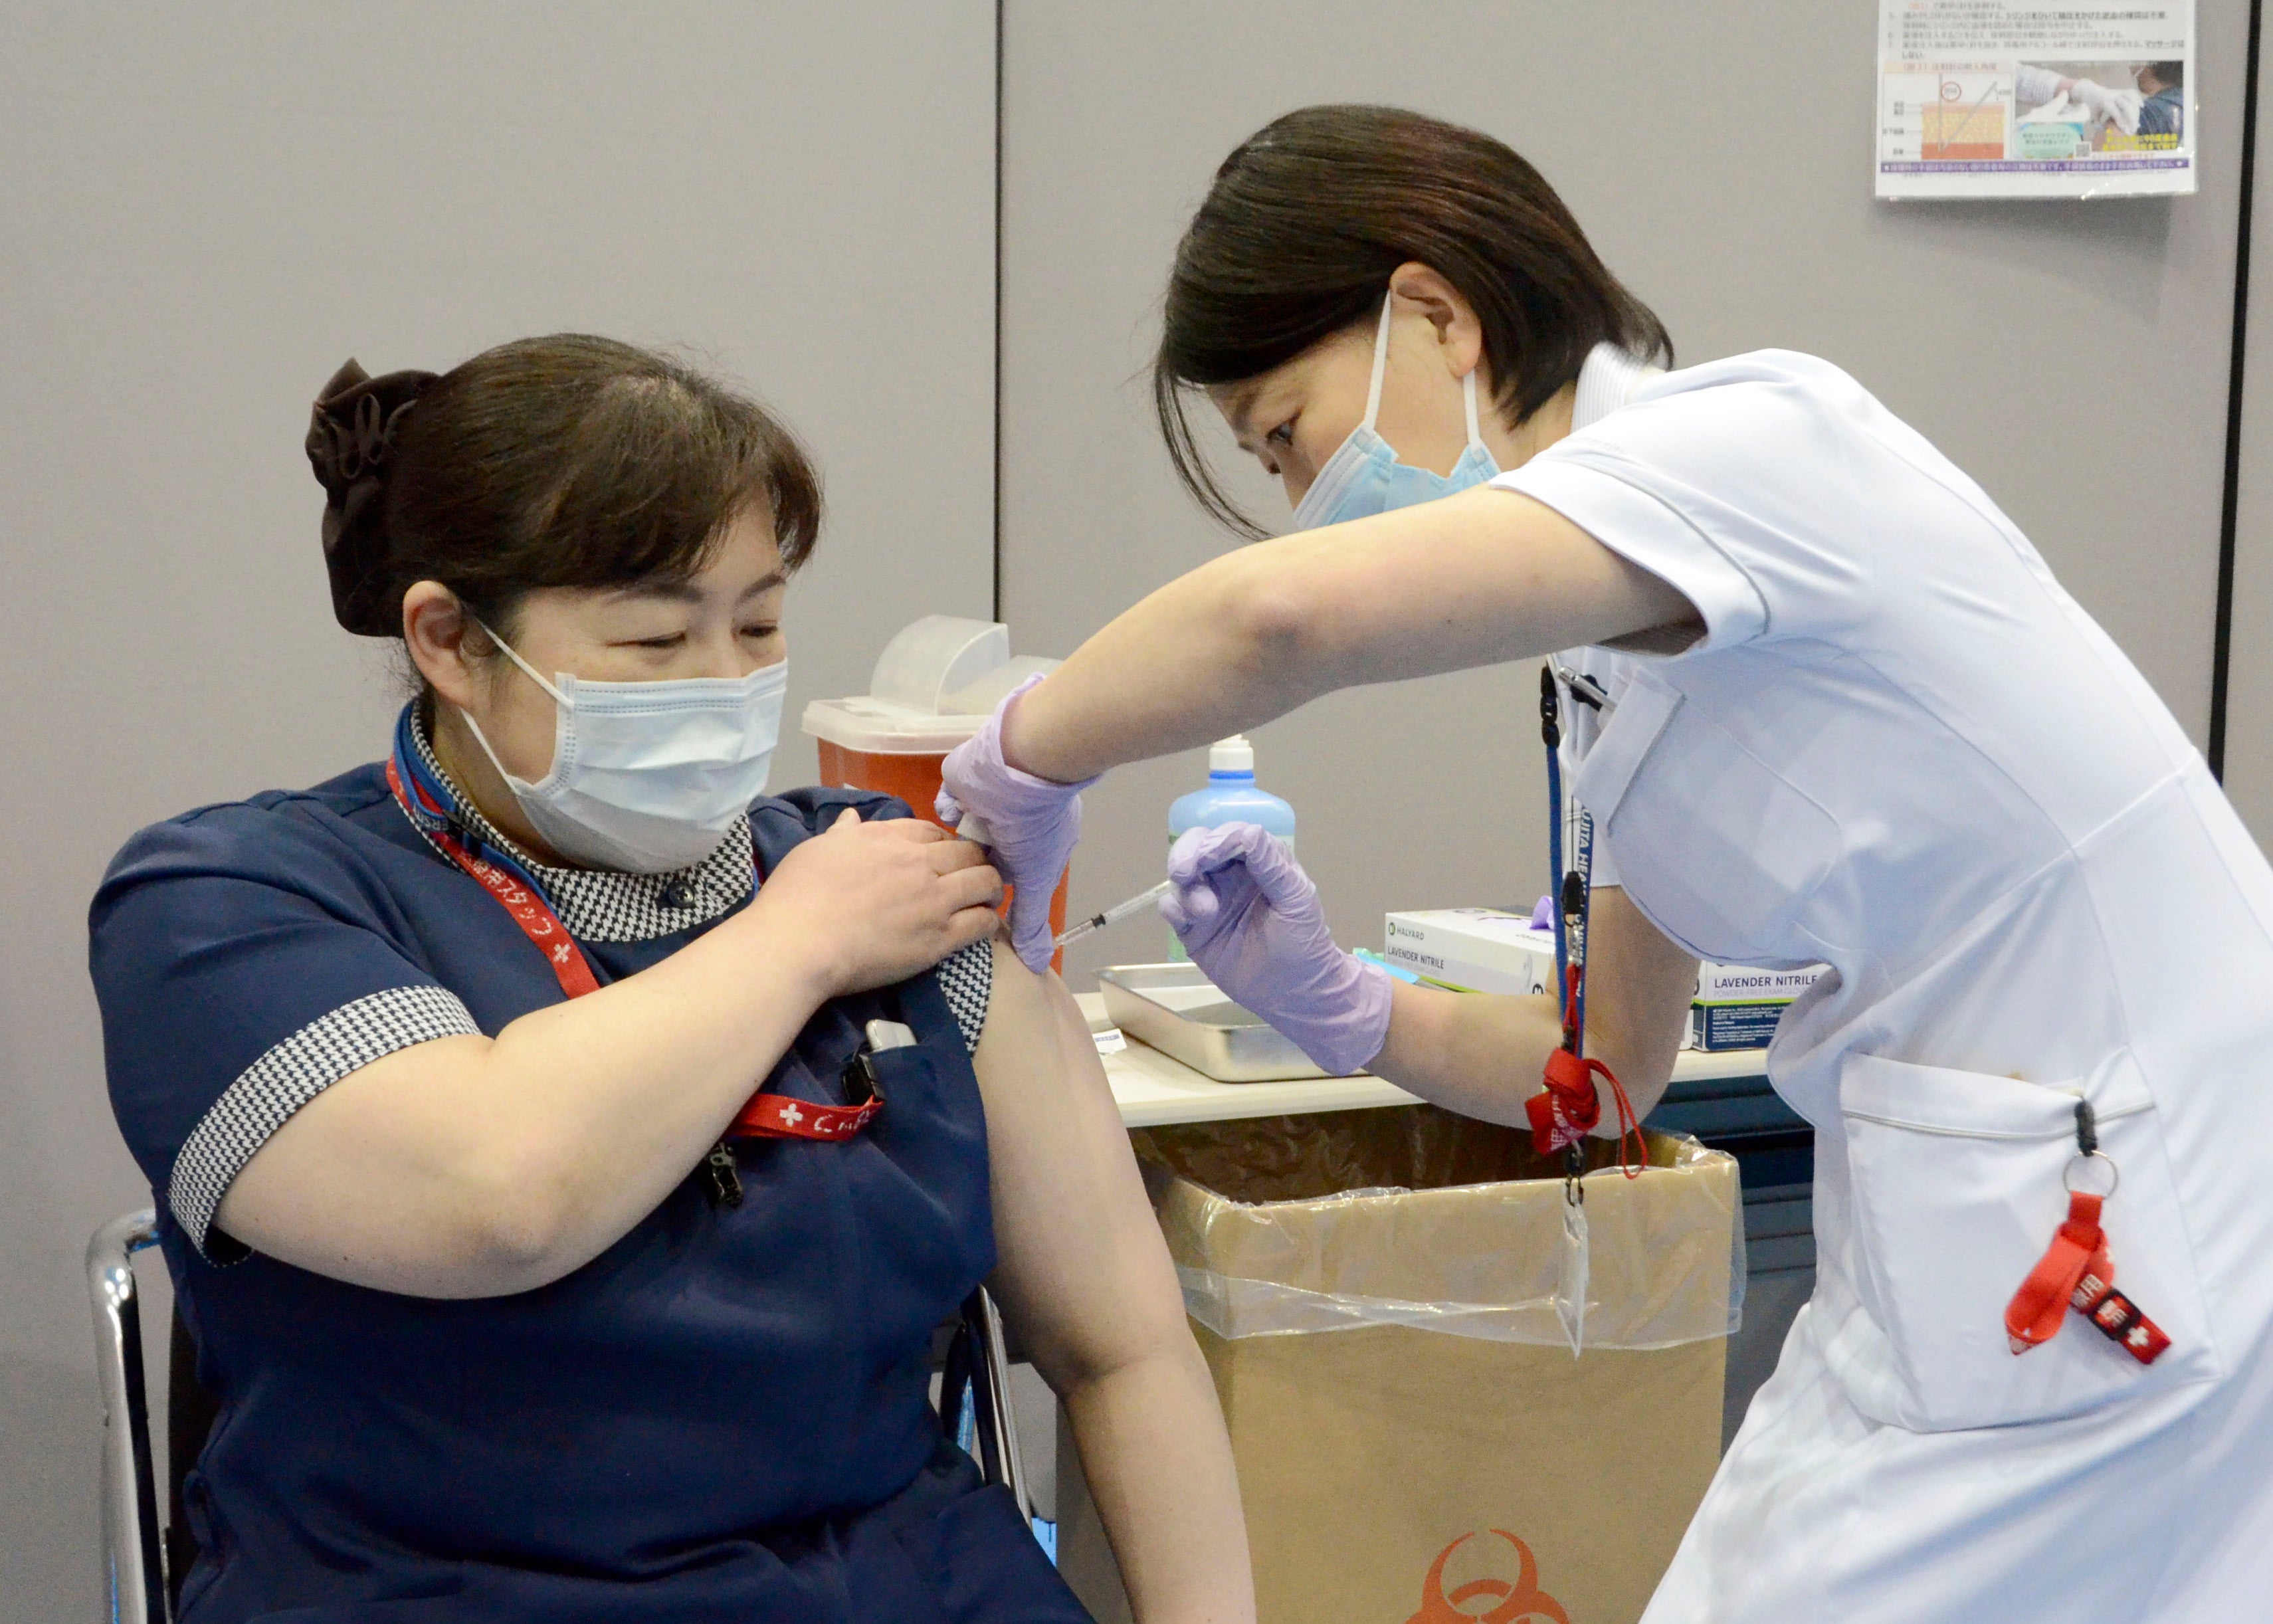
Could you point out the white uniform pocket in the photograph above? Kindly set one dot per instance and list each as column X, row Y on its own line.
column 1957, row 1180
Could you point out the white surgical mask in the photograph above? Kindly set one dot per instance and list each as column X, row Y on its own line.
column 648, row 777
column 1363, row 477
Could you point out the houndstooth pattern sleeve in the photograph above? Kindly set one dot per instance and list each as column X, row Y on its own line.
column 967, row 977
column 290, row 1075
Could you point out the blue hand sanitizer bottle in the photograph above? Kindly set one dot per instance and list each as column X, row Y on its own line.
column 1231, row 797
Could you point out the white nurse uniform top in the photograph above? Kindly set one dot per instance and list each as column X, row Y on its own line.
column 1901, row 750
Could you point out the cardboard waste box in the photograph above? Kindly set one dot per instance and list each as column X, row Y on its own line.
column 1389, row 1301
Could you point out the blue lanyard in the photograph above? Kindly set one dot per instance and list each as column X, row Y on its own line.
column 1567, row 1108
column 1573, row 888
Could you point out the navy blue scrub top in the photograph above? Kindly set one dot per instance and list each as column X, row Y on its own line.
column 724, row 1416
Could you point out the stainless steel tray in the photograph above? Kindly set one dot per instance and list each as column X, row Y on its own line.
column 1178, row 1011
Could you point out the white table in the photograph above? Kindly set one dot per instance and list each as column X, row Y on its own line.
column 1153, row 1089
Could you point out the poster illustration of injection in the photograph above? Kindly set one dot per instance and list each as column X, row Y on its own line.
column 2035, row 98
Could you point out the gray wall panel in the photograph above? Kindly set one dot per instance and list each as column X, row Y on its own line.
column 208, row 209
column 2071, row 356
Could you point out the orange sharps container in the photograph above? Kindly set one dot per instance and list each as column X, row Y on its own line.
column 933, row 686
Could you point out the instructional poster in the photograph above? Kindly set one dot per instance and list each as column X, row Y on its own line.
column 2035, row 98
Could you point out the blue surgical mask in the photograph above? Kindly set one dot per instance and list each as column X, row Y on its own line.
column 648, row 776
column 1363, row 477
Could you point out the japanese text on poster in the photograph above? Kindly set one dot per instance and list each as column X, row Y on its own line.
column 2034, row 98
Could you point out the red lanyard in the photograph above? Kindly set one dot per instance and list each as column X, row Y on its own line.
column 767, row 1115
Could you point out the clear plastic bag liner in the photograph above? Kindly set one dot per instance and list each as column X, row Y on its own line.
column 1413, row 1216
column 1578, row 1258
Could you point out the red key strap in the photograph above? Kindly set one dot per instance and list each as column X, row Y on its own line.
column 767, row 1115
column 2038, row 1309
column 2115, row 1316
column 2076, row 1273
column 1569, row 1108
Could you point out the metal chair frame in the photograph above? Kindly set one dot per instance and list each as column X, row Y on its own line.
column 994, row 1423
column 133, row 1561
column 133, row 1565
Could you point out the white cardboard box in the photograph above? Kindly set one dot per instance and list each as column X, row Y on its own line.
column 1472, row 949
column 1738, row 1007
column 1490, row 949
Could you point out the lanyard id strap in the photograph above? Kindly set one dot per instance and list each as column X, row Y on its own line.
column 1568, row 1108
column 1550, row 731
column 778, row 1116
column 515, row 893
column 1573, row 886
column 1576, row 903
column 767, row 1115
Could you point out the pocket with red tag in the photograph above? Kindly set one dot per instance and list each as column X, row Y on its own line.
column 2075, row 1273
column 1968, row 1247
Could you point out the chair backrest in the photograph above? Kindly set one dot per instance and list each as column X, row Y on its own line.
column 981, row 1356
column 134, row 1580
column 192, row 1413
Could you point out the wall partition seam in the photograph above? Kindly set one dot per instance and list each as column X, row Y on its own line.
column 2221, row 668
column 997, row 610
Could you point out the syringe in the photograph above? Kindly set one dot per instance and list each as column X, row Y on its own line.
column 1114, row 914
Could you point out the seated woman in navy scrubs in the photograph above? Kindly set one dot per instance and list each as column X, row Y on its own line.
column 518, row 1305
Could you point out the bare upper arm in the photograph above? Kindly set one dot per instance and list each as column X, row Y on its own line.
column 1640, row 985
column 373, row 1180
column 1082, row 1267
column 1471, row 580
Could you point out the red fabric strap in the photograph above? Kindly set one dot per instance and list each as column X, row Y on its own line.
column 767, row 1115
column 2076, row 1273
column 1568, row 1108
column 536, row 921
column 2034, row 1315
column 778, row 1116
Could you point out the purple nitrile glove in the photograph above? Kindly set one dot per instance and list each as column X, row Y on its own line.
column 1250, row 917
column 1032, row 824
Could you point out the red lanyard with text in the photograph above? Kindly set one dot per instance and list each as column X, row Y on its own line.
column 767, row 1115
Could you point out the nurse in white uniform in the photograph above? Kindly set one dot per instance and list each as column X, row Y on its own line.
column 1854, row 720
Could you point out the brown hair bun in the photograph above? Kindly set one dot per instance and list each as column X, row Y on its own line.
column 564, row 461
column 350, row 435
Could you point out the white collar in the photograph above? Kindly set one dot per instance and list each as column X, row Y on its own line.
column 1607, row 379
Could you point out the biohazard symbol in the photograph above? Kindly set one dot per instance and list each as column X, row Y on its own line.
column 1511, row 1603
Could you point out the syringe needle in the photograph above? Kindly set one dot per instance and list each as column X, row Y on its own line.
column 1114, row 914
